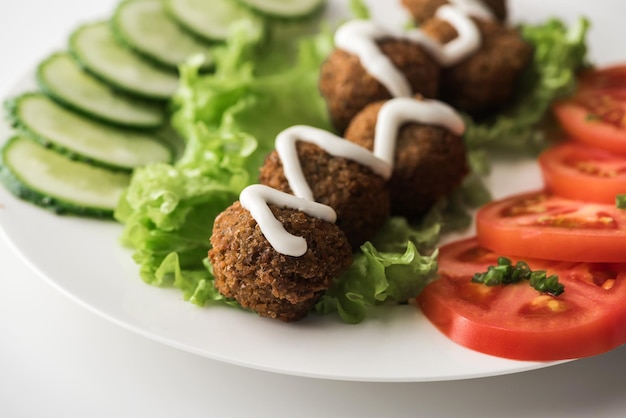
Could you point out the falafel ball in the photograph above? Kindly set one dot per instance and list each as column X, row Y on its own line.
column 247, row 268
column 422, row 10
column 359, row 196
column 429, row 162
column 347, row 87
column 486, row 80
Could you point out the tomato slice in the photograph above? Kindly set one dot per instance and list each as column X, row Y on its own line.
column 596, row 114
column 577, row 171
column 546, row 226
column 516, row 321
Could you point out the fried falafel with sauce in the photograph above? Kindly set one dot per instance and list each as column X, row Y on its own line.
column 359, row 196
column 430, row 161
column 347, row 86
column 248, row 269
column 486, row 80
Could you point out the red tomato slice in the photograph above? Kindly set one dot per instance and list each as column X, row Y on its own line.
column 596, row 114
column 542, row 225
column 516, row 321
column 580, row 172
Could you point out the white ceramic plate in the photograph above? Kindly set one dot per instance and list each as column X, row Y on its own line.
column 82, row 258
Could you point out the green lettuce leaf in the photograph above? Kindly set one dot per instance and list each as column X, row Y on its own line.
column 376, row 278
column 195, row 285
column 228, row 120
column 395, row 266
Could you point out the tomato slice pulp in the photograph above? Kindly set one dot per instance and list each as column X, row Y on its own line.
column 596, row 114
column 517, row 322
column 577, row 171
column 546, row 226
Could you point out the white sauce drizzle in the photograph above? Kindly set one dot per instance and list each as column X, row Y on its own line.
column 465, row 44
column 255, row 198
column 332, row 144
column 359, row 37
column 397, row 112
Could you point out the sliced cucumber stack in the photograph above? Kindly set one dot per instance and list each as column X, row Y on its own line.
column 49, row 179
column 102, row 103
column 96, row 49
column 211, row 20
column 285, row 9
column 61, row 78
column 145, row 27
column 40, row 118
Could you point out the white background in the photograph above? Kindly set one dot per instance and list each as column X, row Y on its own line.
column 58, row 359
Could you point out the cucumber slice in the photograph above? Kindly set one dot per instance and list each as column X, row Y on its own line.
column 96, row 49
column 145, row 27
column 210, row 20
column 61, row 78
column 285, row 9
column 40, row 118
column 48, row 179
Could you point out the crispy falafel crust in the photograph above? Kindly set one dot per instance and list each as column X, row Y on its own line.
column 358, row 195
column 422, row 10
column 430, row 162
column 486, row 80
column 348, row 87
column 247, row 268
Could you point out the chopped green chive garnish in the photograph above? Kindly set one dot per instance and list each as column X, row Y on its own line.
column 620, row 201
column 507, row 273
